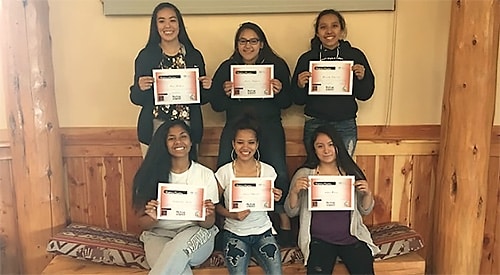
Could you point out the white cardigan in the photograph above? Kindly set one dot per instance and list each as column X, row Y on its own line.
column 357, row 229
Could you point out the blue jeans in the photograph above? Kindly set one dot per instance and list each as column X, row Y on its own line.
column 347, row 130
column 239, row 249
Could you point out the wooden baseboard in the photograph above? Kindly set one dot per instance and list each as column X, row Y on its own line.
column 409, row 264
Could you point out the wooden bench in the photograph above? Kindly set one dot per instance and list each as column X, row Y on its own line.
column 409, row 264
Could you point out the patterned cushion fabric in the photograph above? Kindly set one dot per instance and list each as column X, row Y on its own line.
column 124, row 249
column 119, row 248
column 395, row 239
column 99, row 245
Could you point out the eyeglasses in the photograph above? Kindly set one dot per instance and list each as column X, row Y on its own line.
column 252, row 41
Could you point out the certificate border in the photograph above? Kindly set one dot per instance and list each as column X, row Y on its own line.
column 157, row 72
column 331, row 62
column 309, row 198
column 184, row 187
column 233, row 67
column 230, row 206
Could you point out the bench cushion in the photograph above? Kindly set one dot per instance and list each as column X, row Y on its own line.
column 119, row 248
column 99, row 245
column 395, row 239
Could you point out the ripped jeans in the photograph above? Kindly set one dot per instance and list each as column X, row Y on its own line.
column 239, row 249
column 169, row 252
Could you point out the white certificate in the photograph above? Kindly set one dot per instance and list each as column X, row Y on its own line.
column 330, row 77
column 181, row 202
column 252, row 81
column 176, row 86
column 255, row 194
column 331, row 193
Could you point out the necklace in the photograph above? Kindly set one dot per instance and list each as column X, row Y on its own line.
column 257, row 170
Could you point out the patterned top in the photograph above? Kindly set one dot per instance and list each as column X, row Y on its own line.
column 173, row 111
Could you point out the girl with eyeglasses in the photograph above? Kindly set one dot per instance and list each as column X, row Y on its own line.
column 337, row 110
column 168, row 47
column 252, row 48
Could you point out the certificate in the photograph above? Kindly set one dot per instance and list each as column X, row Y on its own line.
column 252, row 81
column 331, row 193
column 181, row 202
column 330, row 77
column 176, row 86
column 255, row 194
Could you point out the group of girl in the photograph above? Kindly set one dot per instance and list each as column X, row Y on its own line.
column 252, row 144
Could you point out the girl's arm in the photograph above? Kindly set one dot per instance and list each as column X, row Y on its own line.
column 365, row 197
column 148, row 219
column 283, row 97
column 210, row 217
column 142, row 69
column 218, row 98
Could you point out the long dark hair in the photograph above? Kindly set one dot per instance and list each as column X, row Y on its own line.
column 345, row 163
column 154, row 36
column 265, row 54
column 156, row 165
column 315, row 42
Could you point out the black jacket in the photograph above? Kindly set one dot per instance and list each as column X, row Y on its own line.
column 334, row 108
column 266, row 109
column 148, row 59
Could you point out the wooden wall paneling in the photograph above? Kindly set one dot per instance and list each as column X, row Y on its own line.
column 113, row 193
column 490, row 263
column 10, row 262
column 77, row 189
column 401, row 189
column 421, row 209
column 368, row 165
column 130, row 166
column 383, row 189
column 96, row 192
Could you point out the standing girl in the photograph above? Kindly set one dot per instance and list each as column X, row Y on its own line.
column 168, row 47
column 252, row 48
column 339, row 110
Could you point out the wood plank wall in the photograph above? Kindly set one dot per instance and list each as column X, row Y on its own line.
column 399, row 161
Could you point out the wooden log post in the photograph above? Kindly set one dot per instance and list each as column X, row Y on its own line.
column 466, row 129
column 33, row 128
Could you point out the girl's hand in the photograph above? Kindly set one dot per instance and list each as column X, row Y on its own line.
column 209, row 205
column 228, row 86
column 359, row 71
column 277, row 194
column 145, row 82
column 150, row 209
column 277, row 86
column 206, row 82
column 303, row 79
column 301, row 184
column 240, row 215
column 362, row 186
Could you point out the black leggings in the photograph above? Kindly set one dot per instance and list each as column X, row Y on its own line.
column 357, row 257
